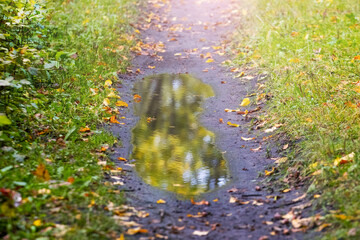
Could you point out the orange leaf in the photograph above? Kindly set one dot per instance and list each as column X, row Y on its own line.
column 71, row 179
column 137, row 98
column 113, row 120
column 42, row 173
column 203, row 202
column 84, row 129
column 122, row 159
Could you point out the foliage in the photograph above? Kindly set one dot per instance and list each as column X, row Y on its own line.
column 310, row 49
column 58, row 60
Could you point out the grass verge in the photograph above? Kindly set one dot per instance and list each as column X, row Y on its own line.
column 58, row 60
column 310, row 50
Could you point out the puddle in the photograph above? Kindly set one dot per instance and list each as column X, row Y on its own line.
column 173, row 151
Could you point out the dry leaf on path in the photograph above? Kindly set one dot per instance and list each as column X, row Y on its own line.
column 245, row 102
column 200, row 233
column 203, row 202
column 160, row 201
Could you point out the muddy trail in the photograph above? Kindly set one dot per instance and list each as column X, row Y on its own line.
column 177, row 94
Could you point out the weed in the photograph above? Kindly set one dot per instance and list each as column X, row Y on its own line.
column 311, row 51
column 58, row 60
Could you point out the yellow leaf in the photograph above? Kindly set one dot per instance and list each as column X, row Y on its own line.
column 122, row 159
column 233, row 124
column 286, row 190
column 245, row 102
column 121, row 237
column 177, row 54
column 215, row 200
column 343, row 217
column 133, row 231
column 210, row 60
column 113, row 95
column 37, row 223
column 160, row 201
column 106, row 102
column 108, row 83
column 151, row 67
column 121, row 104
column 294, row 60
column 216, row 47
column 268, row 173
column 317, row 195
column 346, row 159
column 85, row 21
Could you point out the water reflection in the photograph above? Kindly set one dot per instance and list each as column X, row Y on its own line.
column 172, row 150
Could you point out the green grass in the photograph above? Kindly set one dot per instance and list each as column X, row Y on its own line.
column 55, row 60
column 310, row 51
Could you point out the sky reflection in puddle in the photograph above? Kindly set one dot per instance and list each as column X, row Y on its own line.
column 171, row 148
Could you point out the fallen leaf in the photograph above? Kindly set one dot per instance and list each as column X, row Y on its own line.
column 177, row 54
column 121, row 104
column 113, row 120
column 221, row 120
column 210, row 60
column 268, row 173
column 247, row 139
column 42, row 173
column 71, row 180
column 245, row 102
column 137, row 98
column 216, row 47
column 200, row 233
column 233, row 124
column 285, row 146
column 133, row 231
column 323, row 226
column 255, row 149
column 215, row 200
column 108, row 83
column 160, row 201
column 343, row 160
column 203, row 202
column 270, row 130
column 84, row 129
column 113, row 95
column 151, row 67
column 37, row 223
column 299, row 198
column 122, row 159
column 286, row 190
column 317, row 196
column 303, row 222
column 106, row 102
column 230, row 110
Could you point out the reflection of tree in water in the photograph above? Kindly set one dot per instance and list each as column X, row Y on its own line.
column 174, row 151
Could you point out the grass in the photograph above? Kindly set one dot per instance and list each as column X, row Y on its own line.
column 310, row 51
column 58, row 62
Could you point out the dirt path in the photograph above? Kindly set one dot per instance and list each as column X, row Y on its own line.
column 183, row 26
